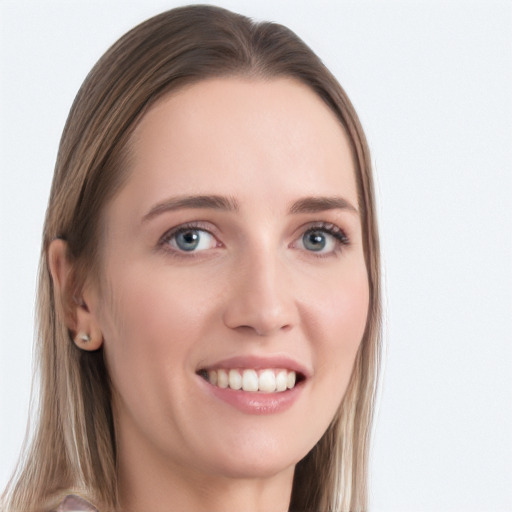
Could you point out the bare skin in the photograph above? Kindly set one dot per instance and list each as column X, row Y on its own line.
column 236, row 235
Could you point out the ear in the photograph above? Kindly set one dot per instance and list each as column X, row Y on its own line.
column 71, row 308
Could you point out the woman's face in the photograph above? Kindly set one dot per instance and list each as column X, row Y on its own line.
column 233, row 257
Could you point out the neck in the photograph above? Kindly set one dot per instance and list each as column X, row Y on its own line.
column 147, row 481
column 178, row 491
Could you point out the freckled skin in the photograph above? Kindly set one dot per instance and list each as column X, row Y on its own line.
column 254, row 290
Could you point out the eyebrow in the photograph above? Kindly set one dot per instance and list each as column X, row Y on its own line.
column 178, row 203
column 229, row 204
column 321, row 204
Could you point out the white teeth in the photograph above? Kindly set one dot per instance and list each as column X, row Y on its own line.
column 222, row 379
column 212, row 377
column 266, row 381
column 235, row 379
column 249, row 380
column 290, row 381
column 281, row 380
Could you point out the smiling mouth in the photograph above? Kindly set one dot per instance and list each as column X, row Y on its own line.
column 264, row 381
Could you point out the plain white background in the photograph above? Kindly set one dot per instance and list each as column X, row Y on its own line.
column 432, row 82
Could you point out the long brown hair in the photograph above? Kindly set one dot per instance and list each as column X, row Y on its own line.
column 73, row 448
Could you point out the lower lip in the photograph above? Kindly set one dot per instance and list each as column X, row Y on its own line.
column 256, row 402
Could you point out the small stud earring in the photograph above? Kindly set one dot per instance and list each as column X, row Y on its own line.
column 83, row 337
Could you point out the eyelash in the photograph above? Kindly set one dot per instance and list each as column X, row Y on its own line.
column 340, row 238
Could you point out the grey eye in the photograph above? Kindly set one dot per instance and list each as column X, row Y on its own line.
column 322, row 241
column 315, row 240
column 193, row 240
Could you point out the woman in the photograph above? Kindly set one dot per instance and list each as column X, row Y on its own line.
column 209, row 287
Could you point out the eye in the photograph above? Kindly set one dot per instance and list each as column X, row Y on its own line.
column 318, row 241
column 189, row 239
column 322, row 239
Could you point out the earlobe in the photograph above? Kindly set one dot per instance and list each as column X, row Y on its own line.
column 71, row 308
column 87, row 335
column 87, row 341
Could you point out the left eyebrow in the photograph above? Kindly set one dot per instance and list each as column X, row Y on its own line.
column 321, row 204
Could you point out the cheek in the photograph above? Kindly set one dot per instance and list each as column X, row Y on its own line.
column 147, row 307
column 148, row 324
column 342, row 316
column 341, row 310
column 351, row 311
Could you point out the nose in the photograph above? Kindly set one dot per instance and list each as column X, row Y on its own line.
column 261, row 297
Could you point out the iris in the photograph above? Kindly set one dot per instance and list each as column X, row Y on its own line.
column 188, row 240
column 314, row 240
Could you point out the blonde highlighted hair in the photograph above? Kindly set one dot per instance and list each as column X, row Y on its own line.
column 72, row 447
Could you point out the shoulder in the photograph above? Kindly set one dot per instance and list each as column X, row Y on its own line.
column 73, row 503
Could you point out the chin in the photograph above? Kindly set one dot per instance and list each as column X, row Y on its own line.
column 257, row 469
column 258, row 459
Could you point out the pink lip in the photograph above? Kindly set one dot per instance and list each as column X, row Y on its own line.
column 256, row 402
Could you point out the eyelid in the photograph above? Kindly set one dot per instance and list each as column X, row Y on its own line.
column 327, row 227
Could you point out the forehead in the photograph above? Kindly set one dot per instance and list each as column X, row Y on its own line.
column 244, row 137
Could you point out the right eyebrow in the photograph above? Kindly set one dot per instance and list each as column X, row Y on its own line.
column 198, row 202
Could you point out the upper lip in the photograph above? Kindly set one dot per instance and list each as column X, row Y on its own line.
column 255, row 362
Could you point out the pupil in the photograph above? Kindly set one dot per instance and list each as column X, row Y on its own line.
column 314, row 241
column 188, row 240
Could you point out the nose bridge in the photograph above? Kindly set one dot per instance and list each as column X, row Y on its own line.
column 261, row 298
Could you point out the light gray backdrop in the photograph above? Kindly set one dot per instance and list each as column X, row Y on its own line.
column 432, row 83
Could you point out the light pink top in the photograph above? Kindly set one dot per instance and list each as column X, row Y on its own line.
column 74, row 503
